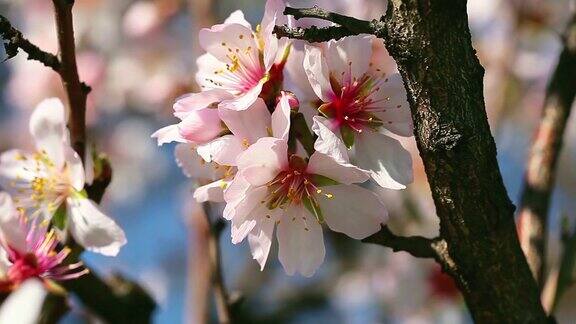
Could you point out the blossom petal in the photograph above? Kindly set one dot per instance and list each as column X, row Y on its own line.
column 328, row 142
column 24, row 305
column 17, row 169
column 246, row 213
column 92, row 229
column 250, row 124
column 198, row 101
column 200, row 126
column 390, row 165
column 237, row 17
column 345, row 173
column 348, row 57
column 395, row 112
column 281, row 118
column 75, row 167
column 244, row 100
column 300, row 242
column 317, row 71
column 48, row 128
column 262, row 161
column 213, row 191
column 193, row 165
column 222, row 150
column 234, row 194
column 353, row 210
column 221, row 40
column 11, row 225
column 169, row 134
column 260, row 239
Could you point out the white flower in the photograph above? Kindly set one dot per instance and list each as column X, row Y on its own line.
column 360, row 103
column 53, row 178
column 275, row 188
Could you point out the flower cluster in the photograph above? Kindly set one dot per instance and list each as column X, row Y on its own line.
column 289, row 134
column 44, row 201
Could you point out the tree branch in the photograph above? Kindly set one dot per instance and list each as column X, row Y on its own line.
column 417, row 246
column 15, row 41
column 313, row 34
column 223, row 301
column 76, row 91
column 543, row 157
column 353, row 25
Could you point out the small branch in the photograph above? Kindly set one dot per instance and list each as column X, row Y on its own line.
column 354, row 25
column 223, row 302
column 15, row 41
column 543, row 158
column 313, row 34
column 417, row 246
column 76, row 91
column 348, row 25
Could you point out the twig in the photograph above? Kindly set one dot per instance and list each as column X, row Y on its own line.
column 417, row 246
column 348, row 25
column 313, row 34
column 15, row 40
column 75, row 90
column 543, row 158
column 222, row 299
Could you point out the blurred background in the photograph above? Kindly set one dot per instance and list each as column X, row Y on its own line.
column 138, row 56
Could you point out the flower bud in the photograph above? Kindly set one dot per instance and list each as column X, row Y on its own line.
column 201, row 126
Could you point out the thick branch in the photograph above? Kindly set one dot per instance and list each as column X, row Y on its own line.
column 15, row 40
column 431, row 43
column 543, row 158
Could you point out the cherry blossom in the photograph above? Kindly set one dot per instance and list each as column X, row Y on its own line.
column 241, row 60
column 49, row 183
column 29, row 250
column 274, row 189
column 362, row 104
column 216, row 160
column 25, row 304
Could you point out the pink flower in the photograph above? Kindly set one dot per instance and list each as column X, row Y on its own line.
column 362, row 104
column 216, row 160
column 29, row 250
column 275, row 188
column 240, row 60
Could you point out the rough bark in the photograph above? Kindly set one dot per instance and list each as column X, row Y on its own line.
column 431, row 43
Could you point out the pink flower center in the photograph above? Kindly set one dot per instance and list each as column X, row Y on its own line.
column 293, row 186
column 353, row 104
column 24, row 267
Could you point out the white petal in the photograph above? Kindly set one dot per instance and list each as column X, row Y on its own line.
column 193, row 165
column 281, row 118
column 390, row 165
column 237, row 17
column 328, row 142
column 75, row 168
column 218, row 40
column 11, row 225
column 352, row 210
column 317, row 72
column 349, row 56
column 234, row 194
column 262, row 161
column 17, row 169
column 92, row 229
column 48, row 128
column 213, row 191
column 169, row 134
column 222, row 150
column 300, row 242
column 247, row 209
column 244, row 100
column 250, row 124
column 345, row 173
column 198, row 101
column 260, row 239
column 24, row 305
column 395, row 112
